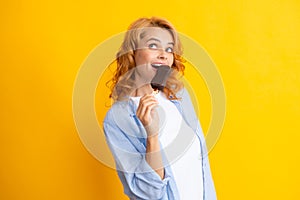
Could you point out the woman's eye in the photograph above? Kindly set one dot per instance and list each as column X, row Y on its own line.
column 169, row 50
column 152, row 46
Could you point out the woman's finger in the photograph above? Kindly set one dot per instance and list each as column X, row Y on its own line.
column 144, row 109
column 146, row 101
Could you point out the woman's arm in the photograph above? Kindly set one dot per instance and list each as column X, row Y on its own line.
column 137, row 175
column 153, row 155
column 149, row 117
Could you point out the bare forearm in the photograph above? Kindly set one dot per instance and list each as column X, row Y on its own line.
column 153, row 156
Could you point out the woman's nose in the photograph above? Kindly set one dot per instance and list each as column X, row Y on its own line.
column 162, row 55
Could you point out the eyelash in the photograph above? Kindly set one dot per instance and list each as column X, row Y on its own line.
column 167, row 49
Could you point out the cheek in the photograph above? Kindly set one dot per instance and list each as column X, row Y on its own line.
column 142, row 57
column 171, row 60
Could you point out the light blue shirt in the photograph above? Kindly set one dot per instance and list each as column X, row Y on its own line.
column 126, row 138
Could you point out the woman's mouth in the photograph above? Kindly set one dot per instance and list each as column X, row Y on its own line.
column 157, row 65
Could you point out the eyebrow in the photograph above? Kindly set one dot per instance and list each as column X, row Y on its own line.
column 155, row 39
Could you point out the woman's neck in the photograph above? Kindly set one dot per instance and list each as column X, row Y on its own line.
column 146, row 89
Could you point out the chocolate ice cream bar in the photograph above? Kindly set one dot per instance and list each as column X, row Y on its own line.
column 160, row 79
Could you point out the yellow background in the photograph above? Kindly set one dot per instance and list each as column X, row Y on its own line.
column 255, row 45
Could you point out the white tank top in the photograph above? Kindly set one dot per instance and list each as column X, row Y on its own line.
column 182, row 149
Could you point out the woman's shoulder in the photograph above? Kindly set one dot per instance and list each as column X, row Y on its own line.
column 185, row 100
column 182, row 93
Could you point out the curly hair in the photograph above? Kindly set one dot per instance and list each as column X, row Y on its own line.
column 123, row 81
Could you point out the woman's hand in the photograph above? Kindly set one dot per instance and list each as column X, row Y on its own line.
column 148, row 115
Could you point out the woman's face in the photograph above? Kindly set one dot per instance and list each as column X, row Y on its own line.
column 155, row 48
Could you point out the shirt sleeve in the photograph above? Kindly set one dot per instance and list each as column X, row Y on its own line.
column 137, row 176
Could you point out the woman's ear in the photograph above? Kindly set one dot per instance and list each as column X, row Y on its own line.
column 131, row 57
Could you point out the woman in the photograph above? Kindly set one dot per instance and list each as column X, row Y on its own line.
column 156, row 139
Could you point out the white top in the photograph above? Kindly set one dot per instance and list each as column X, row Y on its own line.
column 182, row 149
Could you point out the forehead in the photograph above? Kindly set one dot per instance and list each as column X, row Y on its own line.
column 163, row 35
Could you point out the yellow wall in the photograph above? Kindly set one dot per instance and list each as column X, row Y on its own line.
column 255, row 45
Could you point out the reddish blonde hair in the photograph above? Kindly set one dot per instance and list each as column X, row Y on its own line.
column 121, row 84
